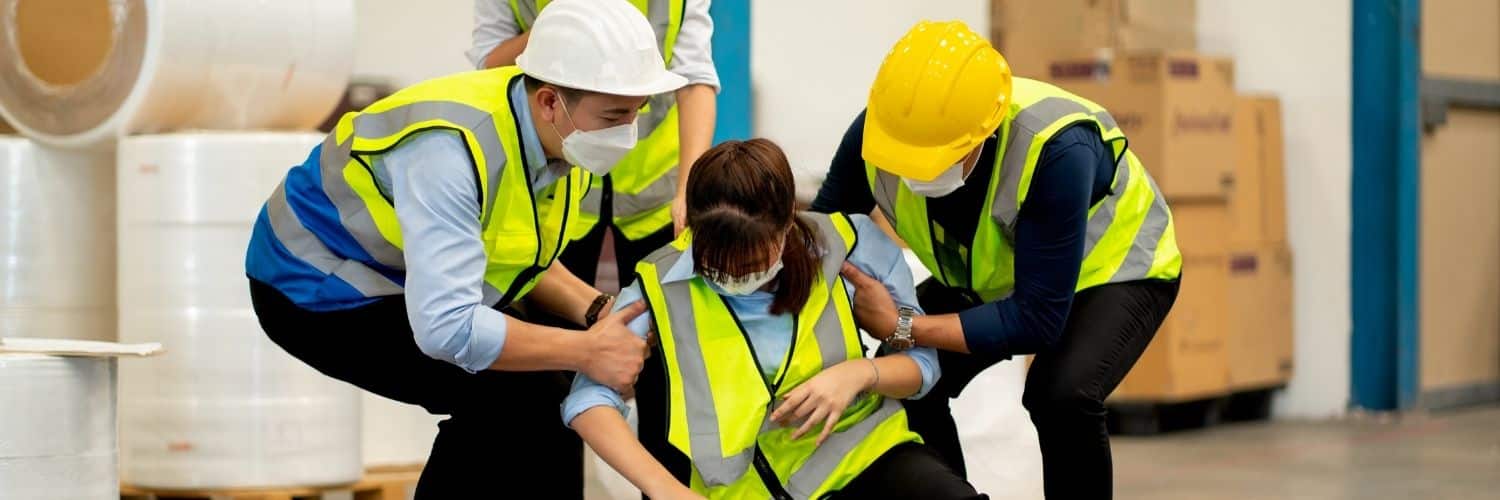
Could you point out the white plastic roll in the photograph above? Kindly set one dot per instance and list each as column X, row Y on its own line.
column 57, row 428
column 57, row 242
column 396, row 434
column 82, row 73
column 223, row 406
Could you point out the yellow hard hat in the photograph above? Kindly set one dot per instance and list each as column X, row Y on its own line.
column 939, row 93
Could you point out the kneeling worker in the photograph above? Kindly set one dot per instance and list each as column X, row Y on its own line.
column 386, row 259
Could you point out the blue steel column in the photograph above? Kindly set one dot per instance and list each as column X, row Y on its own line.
column 732, row 58
column 1385, row 205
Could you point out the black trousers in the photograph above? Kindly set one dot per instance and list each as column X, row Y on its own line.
column 582, row 256
column 1106, row 332
column 910, row 471
column 503, row 437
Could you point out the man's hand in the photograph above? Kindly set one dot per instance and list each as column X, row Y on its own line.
column 874, row 310
column 615, row 354
column 823, row 398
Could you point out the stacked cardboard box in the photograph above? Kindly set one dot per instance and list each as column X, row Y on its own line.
column 1231, row 328
column 1177, row 109
column 1030, row 32
column 1260, row 264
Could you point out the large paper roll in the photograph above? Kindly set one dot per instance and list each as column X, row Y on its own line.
column 223, row 406
column 57, row 242
column 82, row 73
column 57, row 428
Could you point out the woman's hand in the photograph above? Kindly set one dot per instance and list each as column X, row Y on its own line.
column 824, row 397
column 874, row 309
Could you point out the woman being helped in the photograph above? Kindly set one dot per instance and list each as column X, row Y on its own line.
column 761, row 388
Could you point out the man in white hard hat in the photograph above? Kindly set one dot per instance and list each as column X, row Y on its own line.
column 394, row 257
column 640, row 206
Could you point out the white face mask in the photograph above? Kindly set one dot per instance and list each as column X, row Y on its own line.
column 597, row 151
column 747, row 284
column 945, row 183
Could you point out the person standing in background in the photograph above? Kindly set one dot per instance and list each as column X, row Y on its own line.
column 640, row 203
column 394, row 256
column 1044, row 234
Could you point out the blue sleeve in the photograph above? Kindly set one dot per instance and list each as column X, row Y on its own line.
column 846, row 188
column 878, row 256
column 432, row 181
column 587, row 393
column 1050, row 232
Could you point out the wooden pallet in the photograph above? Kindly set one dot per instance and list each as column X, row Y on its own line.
column 1149, row 418
column 378, row 484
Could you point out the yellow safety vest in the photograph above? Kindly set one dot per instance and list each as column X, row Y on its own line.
column 522, row 233
column 1130, row 235
column 719, row 401
column 645, row 180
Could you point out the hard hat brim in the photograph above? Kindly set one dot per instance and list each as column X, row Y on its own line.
column 922, row 163
column 664, row 81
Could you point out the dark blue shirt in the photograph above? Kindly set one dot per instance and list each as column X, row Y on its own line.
column 1074, row 172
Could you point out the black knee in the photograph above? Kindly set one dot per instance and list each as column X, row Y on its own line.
column 1052, row 402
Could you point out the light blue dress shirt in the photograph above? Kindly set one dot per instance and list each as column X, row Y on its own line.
column 771, row 335
column 432, row 180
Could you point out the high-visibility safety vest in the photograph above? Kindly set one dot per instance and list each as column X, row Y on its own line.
column 645, row 180
column 719, row 401
column 1130, row 234
column 522, row 232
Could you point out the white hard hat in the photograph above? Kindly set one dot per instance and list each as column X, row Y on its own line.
column 604, row 46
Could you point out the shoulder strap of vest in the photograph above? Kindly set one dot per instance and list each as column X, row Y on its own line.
column 836, row 234
column 1038, row 120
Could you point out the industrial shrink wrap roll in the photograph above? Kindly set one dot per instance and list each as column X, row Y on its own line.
column 57, row 242
column 82, row 73
column 224, row 406
column 57, row 428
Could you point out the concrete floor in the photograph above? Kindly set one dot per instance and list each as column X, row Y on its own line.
column 1452, row 455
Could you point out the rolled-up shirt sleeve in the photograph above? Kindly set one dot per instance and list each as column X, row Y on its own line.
column 493, row 23
column 586, row 392
column 693, row 54
column 879, row 257
column 432, row 180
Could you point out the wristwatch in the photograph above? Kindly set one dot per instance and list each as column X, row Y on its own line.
column 592, row 316
column 901, row 340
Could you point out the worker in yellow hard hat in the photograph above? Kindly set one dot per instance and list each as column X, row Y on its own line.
column 1044, row 234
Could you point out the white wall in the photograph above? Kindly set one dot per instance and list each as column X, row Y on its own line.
column 406, row 42
column 1305, row 59
column 812, row 64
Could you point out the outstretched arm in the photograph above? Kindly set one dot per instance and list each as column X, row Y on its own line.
column 607, row 433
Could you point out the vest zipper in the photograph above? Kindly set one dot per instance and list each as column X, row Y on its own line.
column 762, row 466
column 768, row 476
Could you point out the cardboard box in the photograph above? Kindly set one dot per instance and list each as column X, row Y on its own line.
column 1177, row 110
column 1260, row 317
column 1258, row 198
column 1029, row 32
column 1188, row 358
column 1202, row 227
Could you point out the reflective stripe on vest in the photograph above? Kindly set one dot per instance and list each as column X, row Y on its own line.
column 645, row 180
column 1129, row 233
column 521, row 237
column 721, row 437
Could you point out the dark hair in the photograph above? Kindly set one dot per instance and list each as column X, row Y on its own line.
column 569, row 95
column 741, row 199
